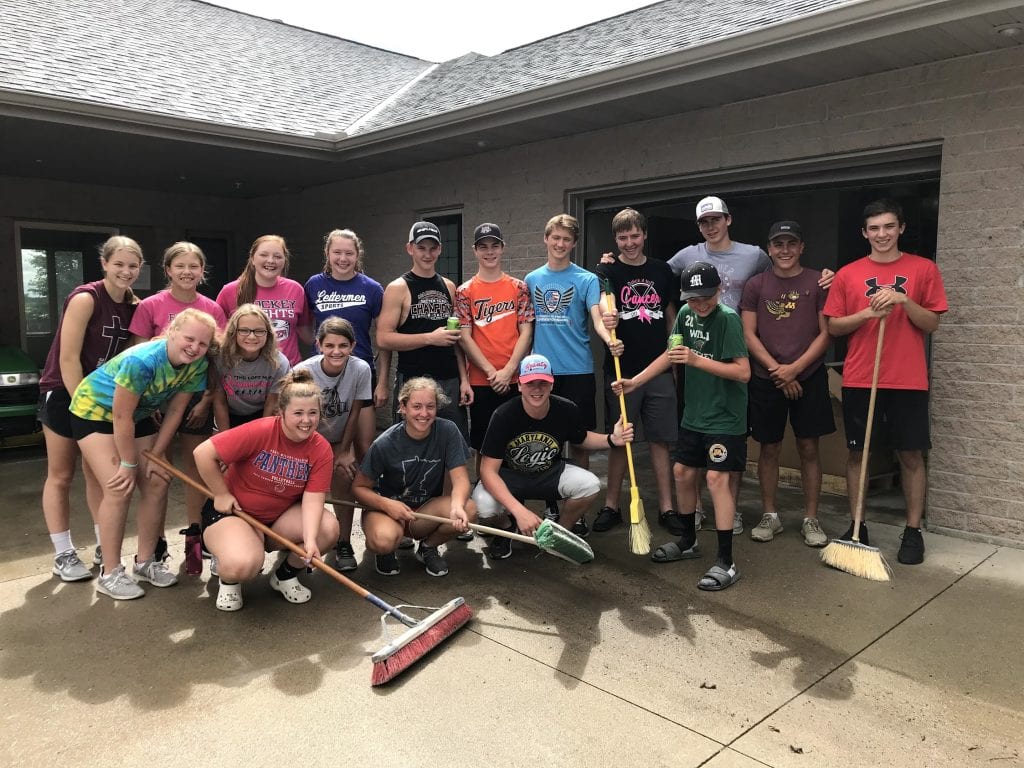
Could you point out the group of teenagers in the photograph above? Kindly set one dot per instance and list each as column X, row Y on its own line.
column 497, row 367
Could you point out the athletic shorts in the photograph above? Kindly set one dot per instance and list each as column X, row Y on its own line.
column 82, row 428
column 453, row 411
column 206, row 428
column 238, row 419
column 580, row 389
column 211, row 515
column 651, row 409
column 721, row 453
column 810, row 415
column 901, row 418
column 562, row 481
column 373, row 385
column 485, row 401
column 53, row 411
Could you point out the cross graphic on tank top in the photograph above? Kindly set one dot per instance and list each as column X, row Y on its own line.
column 116, row 333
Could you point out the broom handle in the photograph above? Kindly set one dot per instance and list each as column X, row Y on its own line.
column 275, row 536
column 858, row 514
column 436, row 519
column 610, row 304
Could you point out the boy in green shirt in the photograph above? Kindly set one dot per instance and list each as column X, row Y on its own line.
column 713, row 432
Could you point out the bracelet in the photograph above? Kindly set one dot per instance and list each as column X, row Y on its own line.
column 127, row 465
column 610, row 443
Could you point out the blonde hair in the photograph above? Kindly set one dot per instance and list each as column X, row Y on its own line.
column 181, row 248
column 297, row 383
column 422, row 382
column 348, row 234
column 116, row 243
column 247, row 280
column 565, row 221
column 231, row 353
column 194, row 315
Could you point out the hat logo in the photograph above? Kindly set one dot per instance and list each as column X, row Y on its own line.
column 485, row 230
column 707, row 207
column 696, row 281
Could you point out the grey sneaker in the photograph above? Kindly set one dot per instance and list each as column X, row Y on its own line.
column 97, row 558
column 117, row 585
column 698, row 519
column 155, row 572
column 765, row 530
column 214, row 570
column 70, row 567
column 345, row 557
column 812, row 533
column 737, row 523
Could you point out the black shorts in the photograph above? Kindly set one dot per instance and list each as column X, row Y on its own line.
column 82, row 428
column 485, row 401
column 579, row 388
column 211, row 516
column 206, row 428
column 373, row 385
column 810, row 415
column 900, row 423
column 238, row 419
column 721, row 453
column 53, row 411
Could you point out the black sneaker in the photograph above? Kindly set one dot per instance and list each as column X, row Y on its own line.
column 607, row 519
column 580, row 527
column 345, row 557
column 431, row 558
column 863, row 533
column 160, row 554
column 551, row 512
column 500, row 547
column 672, row 521
column 387, row 565
column 467, row 536
column 912, row 549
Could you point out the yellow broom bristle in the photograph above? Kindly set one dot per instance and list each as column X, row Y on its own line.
column 857, row 559
column 639, row 531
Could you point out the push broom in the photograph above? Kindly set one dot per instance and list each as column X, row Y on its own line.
column 550, row 537
column 853, row 556
column 401, row 652
column 639, row 532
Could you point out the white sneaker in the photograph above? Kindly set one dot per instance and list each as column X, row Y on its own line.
column 70, row 567
column 229, row 597
column 155, row 572
column 812, row 533
column 765, row 530
column 117, row 585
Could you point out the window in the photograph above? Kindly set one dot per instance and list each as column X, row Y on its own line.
column 450, row 263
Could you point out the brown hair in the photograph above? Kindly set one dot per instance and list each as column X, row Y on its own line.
column 180, row 248
column 627, row 219
column 338, row 326
column 112, row 246
column 422, row 382
column 247, row 280
column 348, row 234
column 231, row 353
column 297, row 383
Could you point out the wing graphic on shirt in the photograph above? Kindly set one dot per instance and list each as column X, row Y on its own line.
column 552, row 300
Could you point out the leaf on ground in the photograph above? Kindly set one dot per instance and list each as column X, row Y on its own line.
column 773, row 729
column 709, row 686
column 796, row 750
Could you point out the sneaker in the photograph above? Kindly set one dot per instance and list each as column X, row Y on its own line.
column 154, row 571
column 912, row 549
column 737, row 523
column 551, row 512
column 500, row 547
column 467, row 536
column 345, row 557
column 387, row 565
column 607, row 519
column 431, row 558
column 765, row 530
column 214, row 570
column 580, row 527
column 229, row 597
column 812, row 533
column 863, row 534
column 160, row 551
column 193, row 550
column 698, row 519
column 406, row 543
column 292, row 589
column 97, row 558
column 117, row 585
column 70, row 567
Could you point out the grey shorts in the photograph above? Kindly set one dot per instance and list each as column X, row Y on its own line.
column 651, row 409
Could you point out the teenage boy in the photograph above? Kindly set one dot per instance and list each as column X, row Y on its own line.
column 412, row 322
column 644, row 291
column 786, row 332
column 713, row 433
column 908, row 291
column 566, row 299
column 522, row 457
column 496, row 316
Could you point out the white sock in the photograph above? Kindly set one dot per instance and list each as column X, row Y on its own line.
column 96, row 530
column 775, row 515
column 62, row 542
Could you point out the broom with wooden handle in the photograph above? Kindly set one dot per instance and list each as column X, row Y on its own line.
column 401, row 652
column 639, row 532
column 852, row 556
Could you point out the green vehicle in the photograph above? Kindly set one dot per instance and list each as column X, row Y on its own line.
column 19, row 393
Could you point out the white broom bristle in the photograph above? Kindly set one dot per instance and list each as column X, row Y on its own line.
column 857, row 559
column 640, row 538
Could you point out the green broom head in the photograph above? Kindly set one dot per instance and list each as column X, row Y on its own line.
column 553, row 538
column 639, row 531
column 856, row 558
column 417, row 641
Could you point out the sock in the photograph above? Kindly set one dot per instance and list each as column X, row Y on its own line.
column 285, row 571
column 725, row 546
column 192, row 530
column 96, row 530
column 689, row 526
column 227, row 583
column 775, row 515
column 62, row 542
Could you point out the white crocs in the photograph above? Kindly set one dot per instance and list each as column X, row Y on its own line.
column 229, row 597
column 292, row 590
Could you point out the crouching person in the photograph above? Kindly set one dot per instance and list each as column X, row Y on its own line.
column 279, row 471
column 521, row 457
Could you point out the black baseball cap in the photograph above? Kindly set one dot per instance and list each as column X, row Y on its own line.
column 487, row 230
column 699, row 280
column 423, row 230
column 790, row 228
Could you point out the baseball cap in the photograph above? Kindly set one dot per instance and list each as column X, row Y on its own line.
column 790, row 228
column 535, row 368
column 711, row 205
column 423, row 230
column 487, row 230
column 699, row 281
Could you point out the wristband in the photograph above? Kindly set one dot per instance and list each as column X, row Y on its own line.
column 610, row 443
column 126, row 465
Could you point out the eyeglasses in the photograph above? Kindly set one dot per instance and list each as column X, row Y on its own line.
column 259, row 333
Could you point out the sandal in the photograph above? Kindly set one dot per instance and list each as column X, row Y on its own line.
column 671, row 552
column 229, row 597
column 292, row 590
column 718, row 578
column 671, row 521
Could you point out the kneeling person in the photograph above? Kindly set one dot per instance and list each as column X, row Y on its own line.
column 521, row 457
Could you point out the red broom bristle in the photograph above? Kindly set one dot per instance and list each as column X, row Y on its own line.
column 405, row 657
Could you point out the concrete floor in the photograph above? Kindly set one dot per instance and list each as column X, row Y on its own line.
column 621, row 661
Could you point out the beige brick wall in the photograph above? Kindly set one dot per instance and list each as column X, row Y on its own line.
column 975, row 106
